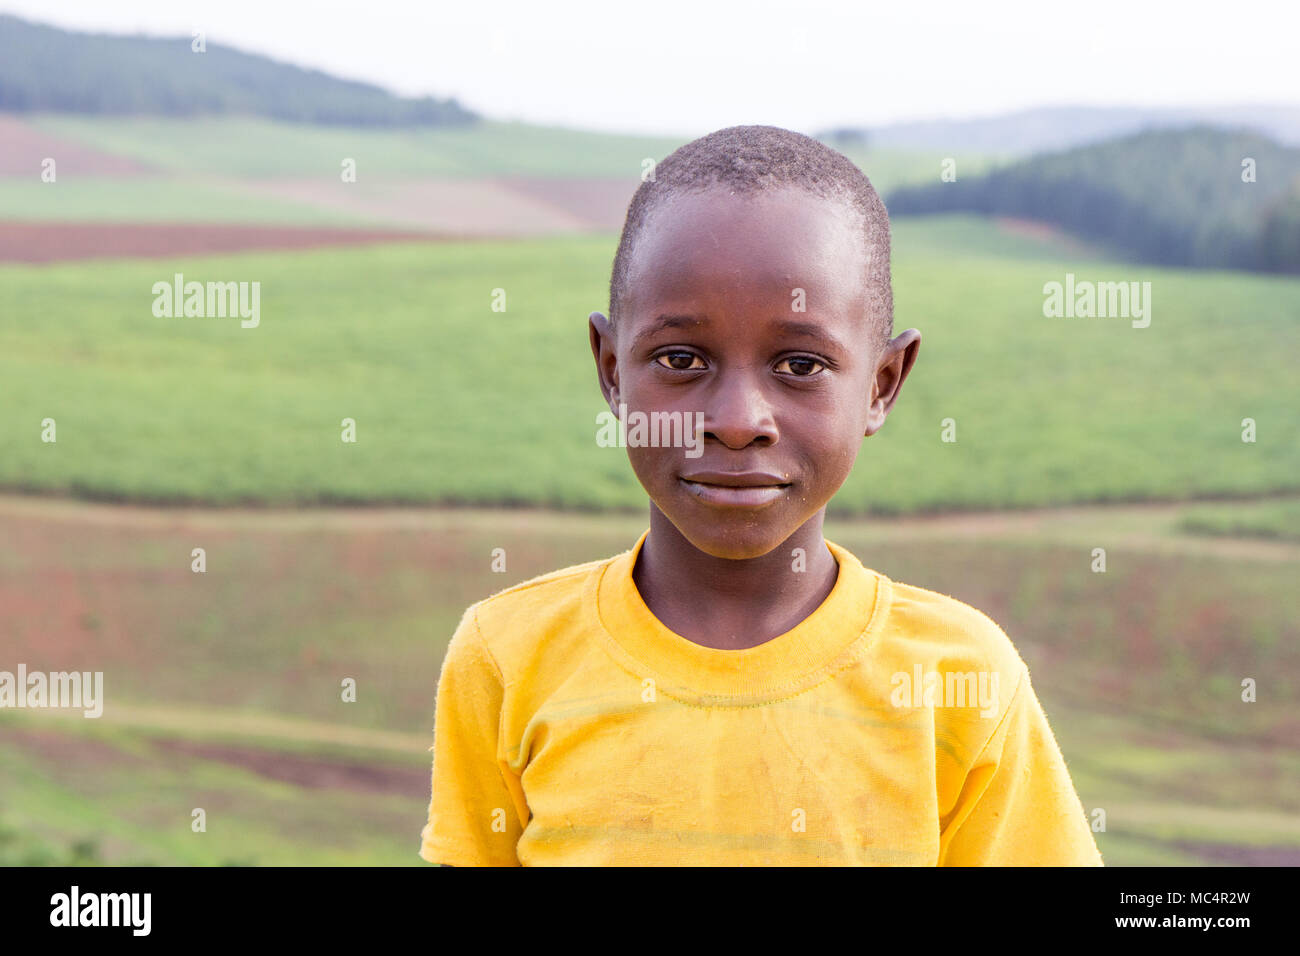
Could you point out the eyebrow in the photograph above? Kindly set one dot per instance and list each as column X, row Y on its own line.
column 809, row 330
column 667, row 322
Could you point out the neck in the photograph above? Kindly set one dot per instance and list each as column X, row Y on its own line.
column 728, row 603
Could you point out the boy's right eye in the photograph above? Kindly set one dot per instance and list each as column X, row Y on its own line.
column 680, row 361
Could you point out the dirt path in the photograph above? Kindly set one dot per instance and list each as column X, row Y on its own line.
column 362, row 773
column 23, row 148
column 1144, row 527
column 321, row 773
column 198, row 723
column 1141, row 527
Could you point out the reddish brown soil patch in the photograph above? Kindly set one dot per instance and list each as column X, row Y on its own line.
column 491, row 207
column 600, row 203
column 1232, row 855
column 55, row 242
column 487, row 208
column 305, row 771
column 23, row 148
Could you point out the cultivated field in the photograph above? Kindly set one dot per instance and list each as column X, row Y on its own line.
column 496, row 179
column 455, row 403
column 224, row 688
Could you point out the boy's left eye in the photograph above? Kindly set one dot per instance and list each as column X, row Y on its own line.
column 800, row 365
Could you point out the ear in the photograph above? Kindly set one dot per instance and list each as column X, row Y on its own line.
column 895, row 363
column 601, row 334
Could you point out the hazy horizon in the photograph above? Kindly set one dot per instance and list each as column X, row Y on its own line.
column 750, row 64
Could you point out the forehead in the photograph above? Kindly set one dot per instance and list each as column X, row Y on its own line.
column 726, row 246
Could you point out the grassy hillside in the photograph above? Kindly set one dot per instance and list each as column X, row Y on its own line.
column 456, row 403
column 251, row 147
column 492, row 178
column 1172, row 197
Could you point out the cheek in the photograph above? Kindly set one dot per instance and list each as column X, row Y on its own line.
column 835, row 455
column 652, row 465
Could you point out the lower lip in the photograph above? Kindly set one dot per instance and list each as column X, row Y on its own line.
column 727, row 496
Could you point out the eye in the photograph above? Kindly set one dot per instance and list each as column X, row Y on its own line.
column 801, row 366
column 680, row 361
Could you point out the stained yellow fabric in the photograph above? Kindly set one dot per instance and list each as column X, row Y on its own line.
column 573, row 728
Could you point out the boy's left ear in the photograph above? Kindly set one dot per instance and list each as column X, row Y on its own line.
column 895, row 363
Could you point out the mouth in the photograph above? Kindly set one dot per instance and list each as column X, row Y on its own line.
column 750, row 489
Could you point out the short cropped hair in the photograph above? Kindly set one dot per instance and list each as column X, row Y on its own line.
column 757, row 159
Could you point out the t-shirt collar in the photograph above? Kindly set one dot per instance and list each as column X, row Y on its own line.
column 834, row 636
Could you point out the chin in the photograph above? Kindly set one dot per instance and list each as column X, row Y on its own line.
column 736, row 538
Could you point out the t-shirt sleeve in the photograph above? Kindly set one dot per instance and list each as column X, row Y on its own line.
column 1018, row 806
column 476, row 801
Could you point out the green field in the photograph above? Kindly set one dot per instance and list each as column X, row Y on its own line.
column 455, row 403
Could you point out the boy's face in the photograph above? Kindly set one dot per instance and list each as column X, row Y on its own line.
column 711, row 326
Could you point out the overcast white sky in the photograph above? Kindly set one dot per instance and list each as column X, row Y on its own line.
column 685, row 67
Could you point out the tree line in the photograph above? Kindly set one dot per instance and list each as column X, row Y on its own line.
column 1204, row 197
column 46, row 69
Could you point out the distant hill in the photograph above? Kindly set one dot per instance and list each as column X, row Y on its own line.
column 1050, row 129
column 47, row 69
column 1172, row 197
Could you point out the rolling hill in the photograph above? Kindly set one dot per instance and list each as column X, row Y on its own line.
column 43, row 68
column 1200, row 197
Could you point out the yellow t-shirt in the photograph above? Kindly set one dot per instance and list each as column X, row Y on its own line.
column 893, row 725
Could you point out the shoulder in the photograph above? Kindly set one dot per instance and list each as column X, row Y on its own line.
column 939, row 651
column 515, row 623
column 948, row 632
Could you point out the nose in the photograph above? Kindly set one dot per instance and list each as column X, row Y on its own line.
column 739, row 412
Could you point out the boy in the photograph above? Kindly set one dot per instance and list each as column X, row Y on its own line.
column 735, row 689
